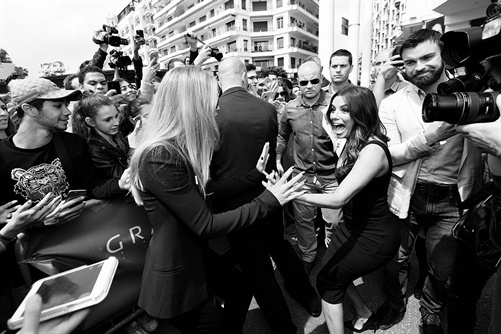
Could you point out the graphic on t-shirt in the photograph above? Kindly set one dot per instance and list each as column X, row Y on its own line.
column 34, row 183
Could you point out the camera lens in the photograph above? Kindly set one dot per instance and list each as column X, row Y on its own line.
column 460, row 84
column 460, row 108
column 447, row 108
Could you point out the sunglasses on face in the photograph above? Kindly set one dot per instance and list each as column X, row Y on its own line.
column 305, row 82
column 282, row 94
column 252, row 78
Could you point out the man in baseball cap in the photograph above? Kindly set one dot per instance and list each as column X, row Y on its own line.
column 39, row 94
column 41, row 158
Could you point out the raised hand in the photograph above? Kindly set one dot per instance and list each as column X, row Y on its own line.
column 286, row 191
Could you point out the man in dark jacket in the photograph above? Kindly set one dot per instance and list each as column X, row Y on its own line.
column 246, row 123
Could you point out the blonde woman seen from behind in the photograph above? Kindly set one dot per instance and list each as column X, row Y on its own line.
column 169, row 171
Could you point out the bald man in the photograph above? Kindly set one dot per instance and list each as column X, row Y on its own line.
column 246, row 123
column 313, row 154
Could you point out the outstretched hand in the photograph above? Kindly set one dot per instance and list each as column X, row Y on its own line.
column 272, row 177
column 286, row 191
column 29, row 214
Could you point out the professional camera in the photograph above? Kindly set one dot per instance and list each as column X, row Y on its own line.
column 111, row 39
column 117, row 59
column 460, row 100
column 214, row 52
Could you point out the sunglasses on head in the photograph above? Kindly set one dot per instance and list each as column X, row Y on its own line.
column 305, row 82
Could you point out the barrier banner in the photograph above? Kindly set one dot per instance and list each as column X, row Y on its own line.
column 111, row 228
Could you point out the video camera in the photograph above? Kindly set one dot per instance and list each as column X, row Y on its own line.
column 117, row 59
column 111, row 39
column 461, row 100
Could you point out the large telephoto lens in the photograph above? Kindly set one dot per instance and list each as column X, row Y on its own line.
column 460, row 108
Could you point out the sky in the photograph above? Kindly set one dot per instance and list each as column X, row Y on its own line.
column 39, row 31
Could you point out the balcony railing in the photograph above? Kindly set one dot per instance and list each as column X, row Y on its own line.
column 303, row 27
column 304, row 46
column 262, row 49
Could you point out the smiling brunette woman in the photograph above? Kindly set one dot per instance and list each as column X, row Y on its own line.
column 96, row 119
column 369, row 237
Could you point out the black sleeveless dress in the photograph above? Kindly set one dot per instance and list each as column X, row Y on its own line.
column 368, row 239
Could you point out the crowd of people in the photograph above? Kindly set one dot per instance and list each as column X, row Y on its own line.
column 232, row 170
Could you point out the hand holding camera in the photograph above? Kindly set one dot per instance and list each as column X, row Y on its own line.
column 214, row 52
column 108, row 35
column 439, row 131
column 486, row 136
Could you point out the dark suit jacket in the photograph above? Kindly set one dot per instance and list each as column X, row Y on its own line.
column 173, row 277
column 245, row 124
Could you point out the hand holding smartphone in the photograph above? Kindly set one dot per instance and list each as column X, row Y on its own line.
column 114, row 85
column 69, row 291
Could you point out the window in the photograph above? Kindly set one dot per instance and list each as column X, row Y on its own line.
column 213, row 32
column 229, row 4
column 280, row 3
column 203, row 18
column 211, row 13
column 280, row 43
column 293, row 42
column 293, row 62
column 259, row 6
column 280, row 22
column 280, row 61
column 244, row 4
column 246, row 43
column 172, row 49
column 190, row 6
column 169, row 18
column 232, row 46
column 191, row 24
column 263, row 63
column 230, row 25
column 344, row 26
column 260, row 46
column 260, row 26
column 244, row 24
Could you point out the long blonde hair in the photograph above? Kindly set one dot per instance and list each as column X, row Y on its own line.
column 181, row 121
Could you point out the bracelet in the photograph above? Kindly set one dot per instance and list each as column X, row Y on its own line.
column 4, row 238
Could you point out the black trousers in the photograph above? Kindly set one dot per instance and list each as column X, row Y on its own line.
column 207, row 317
column 252, row 248
column 466, row 284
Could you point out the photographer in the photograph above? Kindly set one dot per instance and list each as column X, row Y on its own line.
column 433, row 169
column 470, row 275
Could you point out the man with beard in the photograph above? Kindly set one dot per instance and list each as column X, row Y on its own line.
column 434, row 168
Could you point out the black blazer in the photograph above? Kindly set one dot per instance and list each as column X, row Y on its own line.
column 245, row 124
column 173, row 278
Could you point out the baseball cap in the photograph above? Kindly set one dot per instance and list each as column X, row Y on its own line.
column 29, row 89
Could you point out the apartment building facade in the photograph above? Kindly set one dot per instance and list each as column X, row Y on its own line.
column 265, row 33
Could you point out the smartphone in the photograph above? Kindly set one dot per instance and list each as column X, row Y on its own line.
column 72, row 194
column 267, row 95
column 140, row 33
column 114, row 85
column 69, row 291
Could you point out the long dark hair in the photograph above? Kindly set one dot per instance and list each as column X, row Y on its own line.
column 11, row 127
column 364, row 112
column 88, row 106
